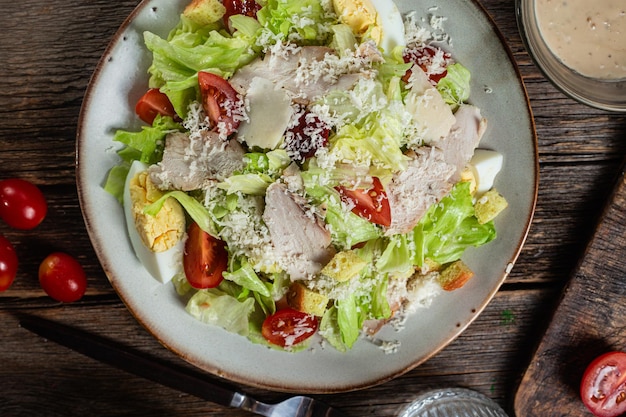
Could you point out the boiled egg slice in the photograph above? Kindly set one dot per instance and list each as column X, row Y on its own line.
column 485, row 165
column 389, row 19
column 167, row 261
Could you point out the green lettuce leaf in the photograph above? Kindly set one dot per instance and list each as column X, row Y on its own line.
column 216, row 307
column 449, row 228
column 302, row 21
column 177, row 60
column 346, row 228
column 147, row 144
column 455, row 86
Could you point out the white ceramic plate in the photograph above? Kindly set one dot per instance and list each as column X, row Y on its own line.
column 119, row 81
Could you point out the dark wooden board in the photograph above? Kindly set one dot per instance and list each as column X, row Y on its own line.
column 590, row 319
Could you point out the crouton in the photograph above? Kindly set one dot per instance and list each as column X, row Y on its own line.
column 308, row 301
column 489, row 206
column 455, row 275
column 344, row 266
column 204, row 12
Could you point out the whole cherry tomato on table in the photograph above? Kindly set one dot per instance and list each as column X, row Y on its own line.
column 603, row 386
column 8, row 263
column 62, row 277
column 22, row 204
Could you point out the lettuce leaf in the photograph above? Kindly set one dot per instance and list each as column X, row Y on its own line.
column 190, row 49
column 455, row 86
column 449, row 228
column 304, row 21
column 147, row 144
column 216, row 307
column 346, row 228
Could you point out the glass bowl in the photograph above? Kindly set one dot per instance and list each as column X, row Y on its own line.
column 453, row 402
column 606, row 94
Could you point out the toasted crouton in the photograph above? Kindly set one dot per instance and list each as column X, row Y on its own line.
column 308, row 301
column 455, row 275
column 489, row 206
column 344, row 266
column 204, row 12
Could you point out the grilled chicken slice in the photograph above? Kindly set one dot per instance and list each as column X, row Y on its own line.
column 300, row 239
column 465, row 135
column 412, row 191
column 189, row 163
column 305, row 73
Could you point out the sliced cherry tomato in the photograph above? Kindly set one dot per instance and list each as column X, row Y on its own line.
column 8, row 263
column 62, row 277
column 22, row 204
column 306, row 137
column 245, row 7
column 152, row 103
column 288, row 327
column 220, row 102
column 603, row 386
column 371, row 204
column 205, row 258
column 424, row 56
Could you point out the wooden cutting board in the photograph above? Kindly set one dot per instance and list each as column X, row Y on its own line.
column 589, row 320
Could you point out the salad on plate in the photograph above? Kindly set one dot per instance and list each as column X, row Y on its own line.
column 307, row 168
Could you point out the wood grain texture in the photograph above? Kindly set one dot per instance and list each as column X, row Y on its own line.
column 589, row 321
column 48, row 52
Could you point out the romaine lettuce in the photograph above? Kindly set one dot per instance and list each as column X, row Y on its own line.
column 304, row 21
column 449, row 228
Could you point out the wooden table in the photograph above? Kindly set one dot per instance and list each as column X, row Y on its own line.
column 48, row 51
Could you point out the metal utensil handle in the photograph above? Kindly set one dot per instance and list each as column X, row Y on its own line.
column 124, row 358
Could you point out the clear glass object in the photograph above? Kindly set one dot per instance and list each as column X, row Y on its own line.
column 453, row 402
column 600, row 93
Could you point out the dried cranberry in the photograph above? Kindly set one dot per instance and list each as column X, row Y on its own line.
column 307, row 136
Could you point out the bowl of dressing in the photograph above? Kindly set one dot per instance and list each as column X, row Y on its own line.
column 580, row 46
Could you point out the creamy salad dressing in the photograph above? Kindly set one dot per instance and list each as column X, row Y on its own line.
column 589, row 36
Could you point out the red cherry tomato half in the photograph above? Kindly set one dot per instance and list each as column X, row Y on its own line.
column 205, row 258
column 431, row 59
column 603, row 386
column 288, row 327
column 22, row 204
column 8, row 263
column 220, row 102
column 62, row 277
column 245, row 7
column 371, row 204
column 152, row 103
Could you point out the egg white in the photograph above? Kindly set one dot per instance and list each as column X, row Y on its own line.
column 390, row 20
column 485, row 164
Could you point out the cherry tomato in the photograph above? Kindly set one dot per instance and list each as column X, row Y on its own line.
column 424, row 57
column 152, row 103
column 205, row 258
column 371, row 204
column 22, row 204
column 603, row 386
column 306, row 137
column 288, row 327
column 245, row 7
column 8, row 263
column 220, row 102
column 62, row 277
